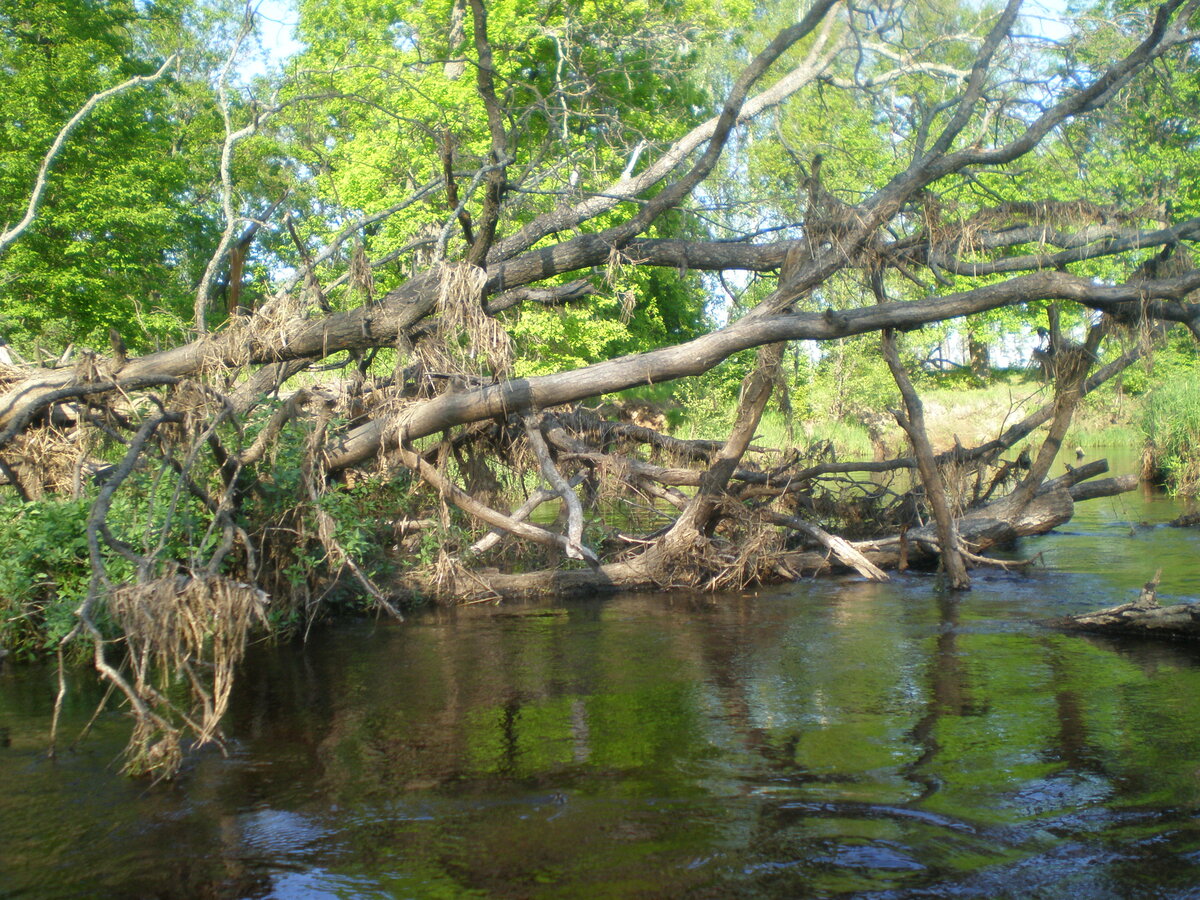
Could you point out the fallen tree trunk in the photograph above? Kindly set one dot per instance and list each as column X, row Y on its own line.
column 1144, row 617
column 995, row 524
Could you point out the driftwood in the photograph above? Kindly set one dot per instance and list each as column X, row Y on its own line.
column 1144, row 617
column 841, row 548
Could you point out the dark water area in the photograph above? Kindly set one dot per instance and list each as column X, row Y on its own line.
column 824, row 739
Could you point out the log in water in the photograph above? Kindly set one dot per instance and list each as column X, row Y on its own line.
column 831, row 738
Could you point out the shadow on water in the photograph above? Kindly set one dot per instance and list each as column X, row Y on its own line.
column 826, row 739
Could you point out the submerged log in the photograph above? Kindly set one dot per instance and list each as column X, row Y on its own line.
column 1144, row 617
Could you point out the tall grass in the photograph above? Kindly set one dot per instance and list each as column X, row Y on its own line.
column 1171, row 424
column 850, row 441
column 1100, row 434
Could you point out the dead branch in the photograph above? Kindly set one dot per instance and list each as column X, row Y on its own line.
column 498, row 152
column 473, row 507
column 1145, row 616
column 913, row 424
column 520, row 514
column 842, row 549
column 994, row 524
column 289, row 410
column 572, row 292
column 575, row 548
column 39, row 186
column 697, row 518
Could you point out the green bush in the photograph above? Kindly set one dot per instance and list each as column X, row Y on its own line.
column 851, row 379
column 44, row 571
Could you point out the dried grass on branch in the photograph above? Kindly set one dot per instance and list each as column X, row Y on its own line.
column 191, row 624
column 467, row 341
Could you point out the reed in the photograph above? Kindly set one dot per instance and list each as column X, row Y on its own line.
column 1171, row 426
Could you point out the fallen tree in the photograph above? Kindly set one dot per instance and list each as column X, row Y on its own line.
column 1143, row 617
column 241, row 469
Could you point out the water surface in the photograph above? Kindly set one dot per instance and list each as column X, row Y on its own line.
column 823, row 739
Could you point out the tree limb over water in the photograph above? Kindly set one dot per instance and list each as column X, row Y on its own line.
column 245, row 479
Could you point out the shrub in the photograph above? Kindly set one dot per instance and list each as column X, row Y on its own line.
column 44, row 571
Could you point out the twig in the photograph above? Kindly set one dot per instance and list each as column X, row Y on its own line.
column 471, row 506
column 536, row 499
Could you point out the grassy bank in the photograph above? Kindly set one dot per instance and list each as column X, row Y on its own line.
column 1171, row 426
column 956, row 411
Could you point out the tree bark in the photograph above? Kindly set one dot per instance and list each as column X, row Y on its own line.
column 698, row 518
column 1144, row 617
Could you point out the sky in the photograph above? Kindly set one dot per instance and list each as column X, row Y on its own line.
column 276, row 22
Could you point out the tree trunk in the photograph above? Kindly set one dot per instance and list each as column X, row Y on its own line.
column 931, row 477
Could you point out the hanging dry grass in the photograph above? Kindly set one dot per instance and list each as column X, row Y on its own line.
column 468, row 340
column 757, row 551
column 197, row 625
column 362, row 281
column 228, row 351
column 959, row 481
column 45, row 461
column 447, row 573
column 10, row 375
column 614, row 266
column 154, row 747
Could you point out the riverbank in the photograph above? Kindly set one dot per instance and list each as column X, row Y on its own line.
column 961, row 412
column 830, row 738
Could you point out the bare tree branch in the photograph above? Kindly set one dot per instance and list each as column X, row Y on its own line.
column 39, row 187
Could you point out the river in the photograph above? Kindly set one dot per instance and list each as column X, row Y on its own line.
column 823, row 739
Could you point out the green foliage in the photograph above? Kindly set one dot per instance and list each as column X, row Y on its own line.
column 1178, row 359
column 44, row 571
column 1171, row 424
column 1142, row 146
column 45, row 565
column 568, row 337
column 709, row 401
column 582, row 83
column 854, row 379
column 119, row 234
column 306, row 562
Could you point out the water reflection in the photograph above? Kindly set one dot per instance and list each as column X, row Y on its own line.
column 824, row 739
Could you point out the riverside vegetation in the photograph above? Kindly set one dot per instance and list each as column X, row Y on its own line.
column 329, row 331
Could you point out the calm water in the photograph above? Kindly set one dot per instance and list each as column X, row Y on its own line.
column 825, row 739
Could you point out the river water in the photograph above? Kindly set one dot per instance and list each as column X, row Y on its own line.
column 823, row 739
